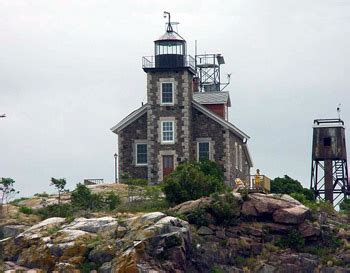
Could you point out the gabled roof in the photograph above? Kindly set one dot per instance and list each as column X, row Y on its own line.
column 212, row 97
column 220, row 120
column 130, row 118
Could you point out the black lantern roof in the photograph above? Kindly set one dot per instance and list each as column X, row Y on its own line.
column 170, row 36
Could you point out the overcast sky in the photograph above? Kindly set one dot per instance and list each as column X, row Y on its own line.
column 70, row 70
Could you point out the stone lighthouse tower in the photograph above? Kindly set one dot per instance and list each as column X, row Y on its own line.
column 170, row 74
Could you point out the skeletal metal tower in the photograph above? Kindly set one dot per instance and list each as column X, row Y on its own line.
column 329, row 171
column 208, row 72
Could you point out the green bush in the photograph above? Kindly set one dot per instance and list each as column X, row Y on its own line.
column 211, row 168
column 345, row 205
column 225, row 209
column 111, row 201
column 188, row 182
column 198, row 217
column 83, row 199
column 55, row 210
column 25, row 210
column 287, row 185
column 136, row 182
column 292, row 240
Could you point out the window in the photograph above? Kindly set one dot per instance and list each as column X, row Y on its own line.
column 167, row 93
column 236, row 155
column 240, row 158
column 167, row 131
column 141, row 154
column 203, row 151
column 327, row 141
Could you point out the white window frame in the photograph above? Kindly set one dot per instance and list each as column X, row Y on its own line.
column 136, row 156
column 161, row 93
column 240, row 158
column 162, row 136
column 198, row 149
column 236, row 155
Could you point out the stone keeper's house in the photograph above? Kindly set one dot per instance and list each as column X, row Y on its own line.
column 178, row 122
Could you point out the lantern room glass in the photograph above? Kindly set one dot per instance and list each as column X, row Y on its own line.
column 170, row 48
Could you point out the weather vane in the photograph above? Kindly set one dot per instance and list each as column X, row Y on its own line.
column 165, row 15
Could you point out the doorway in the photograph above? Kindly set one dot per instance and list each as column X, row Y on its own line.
column 168, row 165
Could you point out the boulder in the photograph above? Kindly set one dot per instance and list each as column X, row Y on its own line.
column 292, row 215
column 92, row 225
column 13, row 230
column 204, row 231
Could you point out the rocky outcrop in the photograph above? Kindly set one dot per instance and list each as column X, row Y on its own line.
column 228, row 233
column 115, row 245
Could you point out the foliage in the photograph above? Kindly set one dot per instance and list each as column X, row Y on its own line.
column 55, row 210
column 25, row 210
column 60, row 185
column 135, row 188
column 43, row 195
column 225, row 209
column 217, row 269
column 7, row 189
column 211, row 168
column 111, row 200
column 198, row 217
column 16, row 202
column 83, row 199
column 144, row 206
column 345, row 206
column 288, row 185
column 292, row 240
column 136, row 182
column 188, row 182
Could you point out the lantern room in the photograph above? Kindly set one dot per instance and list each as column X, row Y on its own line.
column 170, row 50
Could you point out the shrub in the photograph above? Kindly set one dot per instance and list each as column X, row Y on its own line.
column 292, row 240
column 82, row 198
column 288, row 185
column 225, row 209
column 111, row 200
column 55, row 210
column 198, row 217
column 25, row 210
column 188, row 182
column 211, row 168
column 345, row 205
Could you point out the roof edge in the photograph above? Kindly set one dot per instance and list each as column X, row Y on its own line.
column 129, row 119
column 218, row 119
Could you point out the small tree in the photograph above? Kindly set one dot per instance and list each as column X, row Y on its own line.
column 189, row 182
column 7, row 191
column 60, row 185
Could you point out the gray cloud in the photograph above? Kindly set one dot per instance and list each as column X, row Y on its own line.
column 69, row 70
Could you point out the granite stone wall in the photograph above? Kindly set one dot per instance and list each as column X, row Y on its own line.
column 128, row 137
column 222, row 144
column 180, row 112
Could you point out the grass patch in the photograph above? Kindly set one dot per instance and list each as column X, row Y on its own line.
column 26, row 210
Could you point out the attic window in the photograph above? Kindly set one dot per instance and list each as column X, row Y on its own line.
column 327, row 141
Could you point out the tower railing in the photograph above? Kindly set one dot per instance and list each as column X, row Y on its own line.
column 150, row 62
